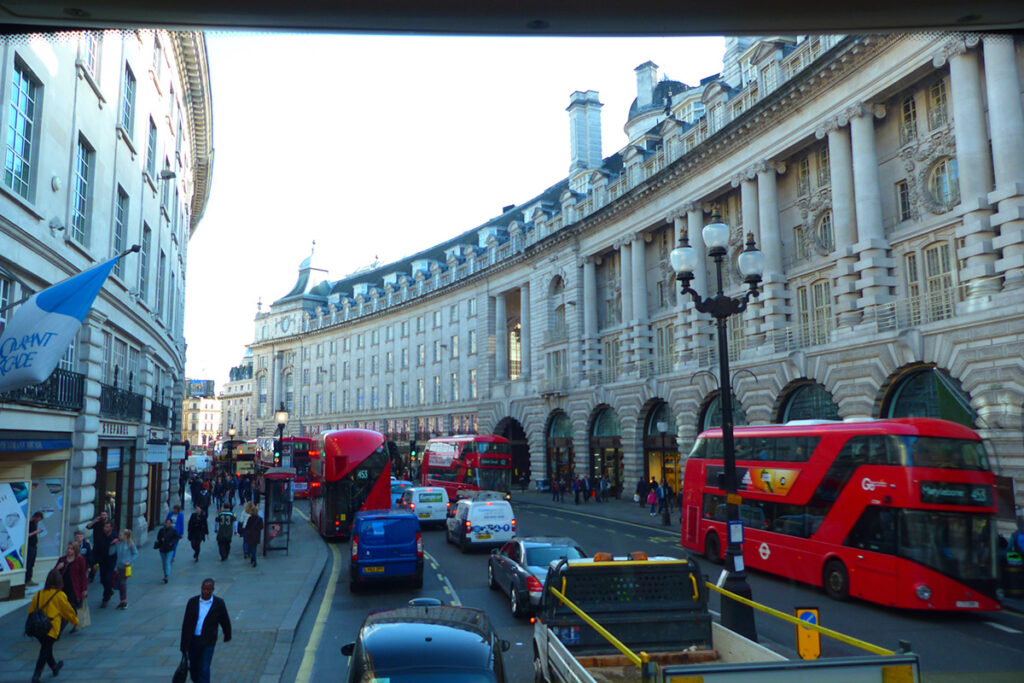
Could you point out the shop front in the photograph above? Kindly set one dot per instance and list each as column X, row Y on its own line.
column 33, row 479
column 606, row 450
column 661, row 453
column 115, row 470
column 559, row 448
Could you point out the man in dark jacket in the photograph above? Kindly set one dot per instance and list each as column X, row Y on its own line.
column 203, row 614
column 198, row 530
column 104, row 552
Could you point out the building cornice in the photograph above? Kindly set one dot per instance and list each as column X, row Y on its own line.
column 190, row 51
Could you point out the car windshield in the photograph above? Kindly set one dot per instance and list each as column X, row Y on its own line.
column 957, row 544
column 545, row 555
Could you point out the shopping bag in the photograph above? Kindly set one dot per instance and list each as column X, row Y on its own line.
column 127, row 571
column 84, row 616
column 181, row 673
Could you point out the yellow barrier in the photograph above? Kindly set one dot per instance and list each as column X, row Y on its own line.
column 849, row 640
column 632, row 656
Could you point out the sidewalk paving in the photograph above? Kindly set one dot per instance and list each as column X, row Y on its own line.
column 141, row 643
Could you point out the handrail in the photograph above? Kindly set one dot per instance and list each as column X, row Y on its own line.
column 638, row 660
column 849, row 640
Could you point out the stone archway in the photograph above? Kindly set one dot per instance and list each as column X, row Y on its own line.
column 510, row 428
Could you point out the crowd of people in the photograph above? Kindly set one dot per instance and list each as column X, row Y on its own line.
column 659, row 496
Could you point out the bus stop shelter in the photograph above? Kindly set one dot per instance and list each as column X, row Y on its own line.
column 277, row 510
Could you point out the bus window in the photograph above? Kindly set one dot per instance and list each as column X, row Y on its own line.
column 962, row 454
column 875, row 530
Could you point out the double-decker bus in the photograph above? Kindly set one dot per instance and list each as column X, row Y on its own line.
column 466, row 463
column 352, row 473
column 225, row 452
column 244, row 457
column 296, row 452
column 896, row 511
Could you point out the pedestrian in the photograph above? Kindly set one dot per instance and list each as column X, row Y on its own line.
column 126, row 553
column 605, row 488
column 203, row 614
column 225, row 527
column 253, row 531
column 195, row 485
column 243, row 490
column 166, row 542
column 231, row 493
column 198, row 530
column 54, row 604
column 554, row 489
column 33, row 545
column 652, row 499
column 585, row 489
column 86, row 552
column 204, row 498
column 640, row 493
column 105, row 552
column 71, row 566
column 178, row 517
column 662, row 498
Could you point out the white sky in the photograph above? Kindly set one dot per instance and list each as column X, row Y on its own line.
column 382, row 146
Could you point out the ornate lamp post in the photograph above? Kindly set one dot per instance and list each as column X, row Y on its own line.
column 282, row 419
column 230, row 464
column 735, row 616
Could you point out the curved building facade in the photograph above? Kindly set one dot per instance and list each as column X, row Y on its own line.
column 107, row 144
column 882, row 179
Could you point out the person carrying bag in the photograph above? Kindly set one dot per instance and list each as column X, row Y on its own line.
column 47, row 608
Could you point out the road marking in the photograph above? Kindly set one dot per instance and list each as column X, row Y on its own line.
column 1001, row 627
column 601, row 519
column 448, row 587
column 309, row 656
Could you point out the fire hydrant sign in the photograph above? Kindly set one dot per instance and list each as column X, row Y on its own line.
column 808, row 641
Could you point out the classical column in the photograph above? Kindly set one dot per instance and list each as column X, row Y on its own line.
column 1006, row 123
column 277, row 367
column 637, row 251
column 844, row 220
column 700, row 324
column 80, row 499
column 773, row 298
column 626, row 281
column 525, row 330
column 975, row 171
column 590, row 342
column 500, row 339
column 139, row 470
column 874, row 263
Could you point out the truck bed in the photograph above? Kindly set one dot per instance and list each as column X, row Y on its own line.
column 617, row 668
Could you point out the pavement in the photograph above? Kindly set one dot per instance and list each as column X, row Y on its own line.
column 141, row 643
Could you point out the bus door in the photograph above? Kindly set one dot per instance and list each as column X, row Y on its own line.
column 873, row 544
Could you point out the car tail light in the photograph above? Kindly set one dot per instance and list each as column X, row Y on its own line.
column 419, row 545
column 513, row 524
column 355, row 547
column 533, row 584
column 469, row 526
column 412, row 506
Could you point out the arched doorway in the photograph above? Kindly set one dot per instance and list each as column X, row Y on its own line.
column 559, row 455
column 513, row 431
column 808, row 401
column 711, row 416
column 927, row 391
column 606, row 449
column 661, row 452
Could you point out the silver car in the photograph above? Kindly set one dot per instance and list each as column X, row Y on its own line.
column 520, row 566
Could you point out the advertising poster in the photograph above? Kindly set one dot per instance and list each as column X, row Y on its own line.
column 48, row 498
column 13, row 525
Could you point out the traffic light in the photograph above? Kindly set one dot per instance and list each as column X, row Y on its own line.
column 277, row 457
column 412, row 449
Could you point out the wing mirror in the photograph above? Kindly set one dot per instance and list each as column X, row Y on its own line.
column 347, row 649
column 505, row 645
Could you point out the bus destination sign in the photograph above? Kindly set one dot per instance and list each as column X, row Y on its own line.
column 950, row 493
column 493, row 462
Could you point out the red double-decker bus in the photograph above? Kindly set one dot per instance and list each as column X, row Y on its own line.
column 466, row 463
column 296, row 451
column 351, row 473
column 897, row 511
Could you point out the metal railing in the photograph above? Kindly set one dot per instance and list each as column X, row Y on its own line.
column 159, row 415
column 119, row 403
column 62, row 390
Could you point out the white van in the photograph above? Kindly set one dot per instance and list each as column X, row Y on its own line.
column 481, row 522
column 429, row 503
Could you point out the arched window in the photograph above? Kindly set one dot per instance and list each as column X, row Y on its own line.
column 712, row 416
column 944, row 184
column 809, row 401
column 930, row 392
column 826, row 237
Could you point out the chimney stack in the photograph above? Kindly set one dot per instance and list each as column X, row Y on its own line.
column 646, row 80
column 585, row 130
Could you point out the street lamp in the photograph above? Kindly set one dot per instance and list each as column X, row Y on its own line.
column 282, row 420
column 735, row 616
column 231, row 444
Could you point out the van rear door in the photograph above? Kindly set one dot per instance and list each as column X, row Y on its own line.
column 387, row 546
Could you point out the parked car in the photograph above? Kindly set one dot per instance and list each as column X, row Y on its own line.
column 426, row 643
column 398, row 487
column 481, row 522
column 386, row 546
column 520, row 566
column 429, row 504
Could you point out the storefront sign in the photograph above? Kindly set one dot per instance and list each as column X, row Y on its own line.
column 178, row 452
column 116, row 429
column 10, row 445
column 157, row 453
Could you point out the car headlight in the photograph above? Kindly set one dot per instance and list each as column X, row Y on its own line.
column 923, row 592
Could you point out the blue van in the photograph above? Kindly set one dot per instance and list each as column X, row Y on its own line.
column 386, row 546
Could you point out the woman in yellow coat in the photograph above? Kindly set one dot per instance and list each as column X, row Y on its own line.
column 54, row 603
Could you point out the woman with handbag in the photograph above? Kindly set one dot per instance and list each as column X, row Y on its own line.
column 74, row 572
column 126, row 552
column 53, row 604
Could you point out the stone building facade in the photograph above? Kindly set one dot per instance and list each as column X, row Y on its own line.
column 107, row 143
column 883, row 179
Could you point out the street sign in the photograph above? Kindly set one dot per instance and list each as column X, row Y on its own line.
column 736, row 531
column 808, row 641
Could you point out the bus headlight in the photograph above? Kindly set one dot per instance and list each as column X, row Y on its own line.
column 923, row 592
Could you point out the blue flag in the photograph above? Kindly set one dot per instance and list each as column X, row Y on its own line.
column 43, row 327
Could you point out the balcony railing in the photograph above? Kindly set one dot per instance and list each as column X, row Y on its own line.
column 919, row 310
column 158, row 415
column 62, row 390
column 119, row 403
column 559, row 384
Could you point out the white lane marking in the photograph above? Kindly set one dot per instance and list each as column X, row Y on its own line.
column 448, row 587
column 1001, row 627
column 309, row 655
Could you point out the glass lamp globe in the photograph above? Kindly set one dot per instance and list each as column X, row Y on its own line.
column 683, row 259
column 751, row 261
column 716, row 234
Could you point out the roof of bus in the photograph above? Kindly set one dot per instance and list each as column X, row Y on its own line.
column 907, row 426
column 488, row 438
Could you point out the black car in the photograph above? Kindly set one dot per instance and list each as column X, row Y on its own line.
column 427, row 642
column 520, row 566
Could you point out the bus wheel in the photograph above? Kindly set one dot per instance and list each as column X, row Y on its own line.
column 713, row 548
column 836, row 580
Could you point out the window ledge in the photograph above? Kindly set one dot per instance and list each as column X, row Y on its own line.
column 21, row 201
column 123, row 133
column 74, row 244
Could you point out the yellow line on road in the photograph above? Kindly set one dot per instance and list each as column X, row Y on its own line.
column 309, row 656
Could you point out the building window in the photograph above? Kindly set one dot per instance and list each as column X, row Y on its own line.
column 515, row 352
column 405, row 328
column 21, row 132
column 375, row 337
column 908, row 121
column 359, row 367
column 345, row 404
column 437, row 351
column 162, row 267
column 128, row 103
column 147, row 237
column 346, row 344
column 455, row 346
column 374, row 398
column 120, row 229
column 769, row 77
column 389, row 396
column 824, row 173
column 158, row 58
column 359, row 399
column 799, row 249
column 389, row 333
column 6, row 295
column 471, row 308
column 803, row 176
column 944, row 184
column 421, row 392
column 305, row 376
column 437, row 318
column 420, row 323
column 937, row 105
column 389, row 361
column 453, row 313
column 611, row 359
column 359, row 341
column 344, row 370
column 472, row 383
column 405, row 394
column 91, row 52
column 455, row 386
column 472, row 342
column 437, row 389
column 421, row 355
column 374, row 366
column 81, row 206
column 151, row 150
column 903, row 199
column 825, row 236
column 814, row 305
column 405, row 359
